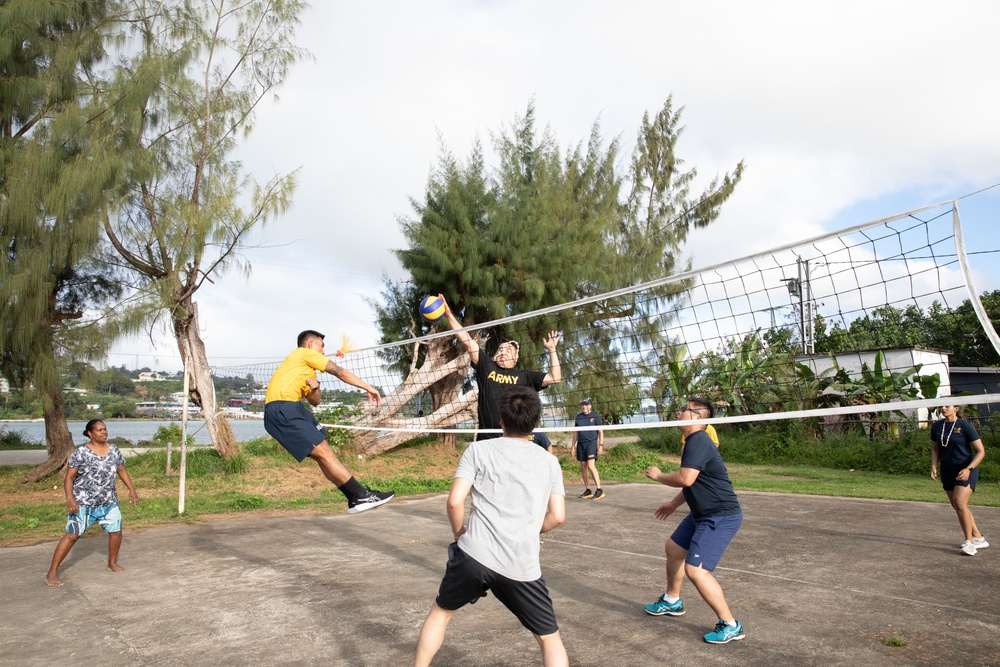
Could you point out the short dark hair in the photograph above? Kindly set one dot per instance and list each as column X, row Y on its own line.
column 307, row 334
column 700, row 403
column 520, row 410
column 91, row 425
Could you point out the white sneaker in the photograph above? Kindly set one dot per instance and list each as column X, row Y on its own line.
column 968, row 548
column 980, row 542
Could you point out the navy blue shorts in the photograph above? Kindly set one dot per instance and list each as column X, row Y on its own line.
column 466, row 580
column 949, row 482
column 586, row 451
column 707, row 538
column 294, row 427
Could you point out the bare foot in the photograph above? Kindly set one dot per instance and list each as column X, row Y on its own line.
column 115, row 567
column 52, row 580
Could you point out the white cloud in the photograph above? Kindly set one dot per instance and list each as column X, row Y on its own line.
column 837, row 110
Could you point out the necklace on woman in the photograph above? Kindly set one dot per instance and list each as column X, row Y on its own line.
column 944, row 442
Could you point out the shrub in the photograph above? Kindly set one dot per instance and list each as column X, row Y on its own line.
column 170, row 434
column 250, row 502
column 16, row 440
column 340, row 414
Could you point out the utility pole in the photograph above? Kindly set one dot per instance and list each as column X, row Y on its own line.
column 800, row 287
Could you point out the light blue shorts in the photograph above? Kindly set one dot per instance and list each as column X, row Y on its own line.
column 109, row 516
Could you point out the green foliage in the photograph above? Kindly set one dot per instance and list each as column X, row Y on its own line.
column 663, row 440
column 200, row 463
column 170, row 433
column 249, row 502
column 625, row 451
column 15, row 440
column 186, row 86
column 56, row 176
column 790, row 442
column 895, row 640
column 955, row 329
column 628, row 469
column 111, row 381
column 741, row 377
column 403, row 485
column 544, row 227
column 262, row 447
column 339, row 414
column 677, row 377
column 122, row 409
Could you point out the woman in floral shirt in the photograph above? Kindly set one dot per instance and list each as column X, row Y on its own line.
column 91, row 496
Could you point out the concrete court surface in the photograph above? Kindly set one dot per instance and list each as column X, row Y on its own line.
column 815, row 581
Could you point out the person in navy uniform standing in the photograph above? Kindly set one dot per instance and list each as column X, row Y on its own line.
column 587, row 446
column 956, row 445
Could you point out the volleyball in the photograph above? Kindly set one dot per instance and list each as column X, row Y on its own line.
column 432, row 308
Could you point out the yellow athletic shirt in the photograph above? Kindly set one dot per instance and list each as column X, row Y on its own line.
column 289, row 382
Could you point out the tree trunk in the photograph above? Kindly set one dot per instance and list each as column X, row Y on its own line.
column 442, row 373
column 454, row 413
column 202, row 389
column 58, row 439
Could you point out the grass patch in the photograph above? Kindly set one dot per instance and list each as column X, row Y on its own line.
column 264, row 480
column 895, row 640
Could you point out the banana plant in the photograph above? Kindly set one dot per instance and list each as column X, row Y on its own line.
column 881, row 385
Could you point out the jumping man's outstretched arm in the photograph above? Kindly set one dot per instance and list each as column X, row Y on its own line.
column 350, row 378
column 554, row 376
column 463, row 336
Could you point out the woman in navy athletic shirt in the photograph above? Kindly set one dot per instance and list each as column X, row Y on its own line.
column 957, row 447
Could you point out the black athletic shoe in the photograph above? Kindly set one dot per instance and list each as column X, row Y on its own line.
column 369, row 500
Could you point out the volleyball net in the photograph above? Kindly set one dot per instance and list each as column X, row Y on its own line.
column 853, row 322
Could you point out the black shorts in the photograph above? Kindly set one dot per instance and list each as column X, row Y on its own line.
column 586, row 451
column 949, row 482
column 294, row 427
column 466, row 580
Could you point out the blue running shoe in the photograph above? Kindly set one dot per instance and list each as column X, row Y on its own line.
column 725, row 633
column 663, row 608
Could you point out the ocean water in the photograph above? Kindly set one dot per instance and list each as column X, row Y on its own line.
column 134, row 431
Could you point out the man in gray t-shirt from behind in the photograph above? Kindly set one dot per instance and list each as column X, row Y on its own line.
column 517, row 493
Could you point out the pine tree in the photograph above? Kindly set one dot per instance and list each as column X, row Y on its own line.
column 543, row 228
column 55, row 175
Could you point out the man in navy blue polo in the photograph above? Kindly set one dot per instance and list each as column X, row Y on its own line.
column 697, row 545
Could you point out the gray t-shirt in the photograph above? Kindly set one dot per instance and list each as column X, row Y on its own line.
column 512, row 480
column 94, row 484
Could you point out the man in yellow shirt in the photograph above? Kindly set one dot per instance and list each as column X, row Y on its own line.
column 296, row 429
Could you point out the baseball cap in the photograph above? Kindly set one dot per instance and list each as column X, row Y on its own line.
column 585, row 401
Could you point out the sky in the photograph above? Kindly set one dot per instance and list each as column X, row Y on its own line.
column 842, row 113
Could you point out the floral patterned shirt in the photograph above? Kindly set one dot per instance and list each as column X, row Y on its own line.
column 96, row 476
